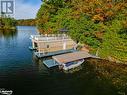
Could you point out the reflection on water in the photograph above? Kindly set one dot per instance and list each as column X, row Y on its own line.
column 8, row 33
column 38, row 63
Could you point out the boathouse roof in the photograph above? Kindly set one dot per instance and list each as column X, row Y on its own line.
column 70, row 57
column 50, row 37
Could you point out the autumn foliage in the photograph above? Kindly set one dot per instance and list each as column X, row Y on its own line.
column 93, row 22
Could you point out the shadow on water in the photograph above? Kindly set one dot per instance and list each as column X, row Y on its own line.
column 39, row 80
column 82, row 82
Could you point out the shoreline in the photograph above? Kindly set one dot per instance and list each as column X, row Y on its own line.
column 4, row 29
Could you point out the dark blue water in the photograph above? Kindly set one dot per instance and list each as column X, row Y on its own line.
column 14, row 52
column 23, row 73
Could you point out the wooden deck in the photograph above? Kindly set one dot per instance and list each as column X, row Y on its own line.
column 70, row 57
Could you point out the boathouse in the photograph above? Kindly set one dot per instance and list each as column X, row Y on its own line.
column 52, row 44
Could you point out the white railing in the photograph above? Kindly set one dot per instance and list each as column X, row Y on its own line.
column 49, row 37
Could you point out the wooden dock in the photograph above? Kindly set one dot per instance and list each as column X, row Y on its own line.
column 66, row 58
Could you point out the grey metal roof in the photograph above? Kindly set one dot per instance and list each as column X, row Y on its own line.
column 69, row 57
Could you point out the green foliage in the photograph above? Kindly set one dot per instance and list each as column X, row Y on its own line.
column 97, row 23
column 7, row 22
column 26, row 22
column 58, row 3
column 10, row 22
column 113, row 44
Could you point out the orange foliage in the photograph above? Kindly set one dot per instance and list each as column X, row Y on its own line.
column 99, row 35
column 109, row 0
column 98, row 10
column 119, row 6
column 49, row 30
column 109, row 5
column 98, row 17
column 109, row 14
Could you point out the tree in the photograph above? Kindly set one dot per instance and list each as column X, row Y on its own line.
column 90, row 22
column 114, row 45
column 7, row 22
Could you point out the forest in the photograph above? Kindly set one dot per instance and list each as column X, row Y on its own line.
column 26, row 22
column 99, row 24
column 6, row 22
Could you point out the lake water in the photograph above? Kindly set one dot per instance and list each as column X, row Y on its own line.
column 23, row 73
